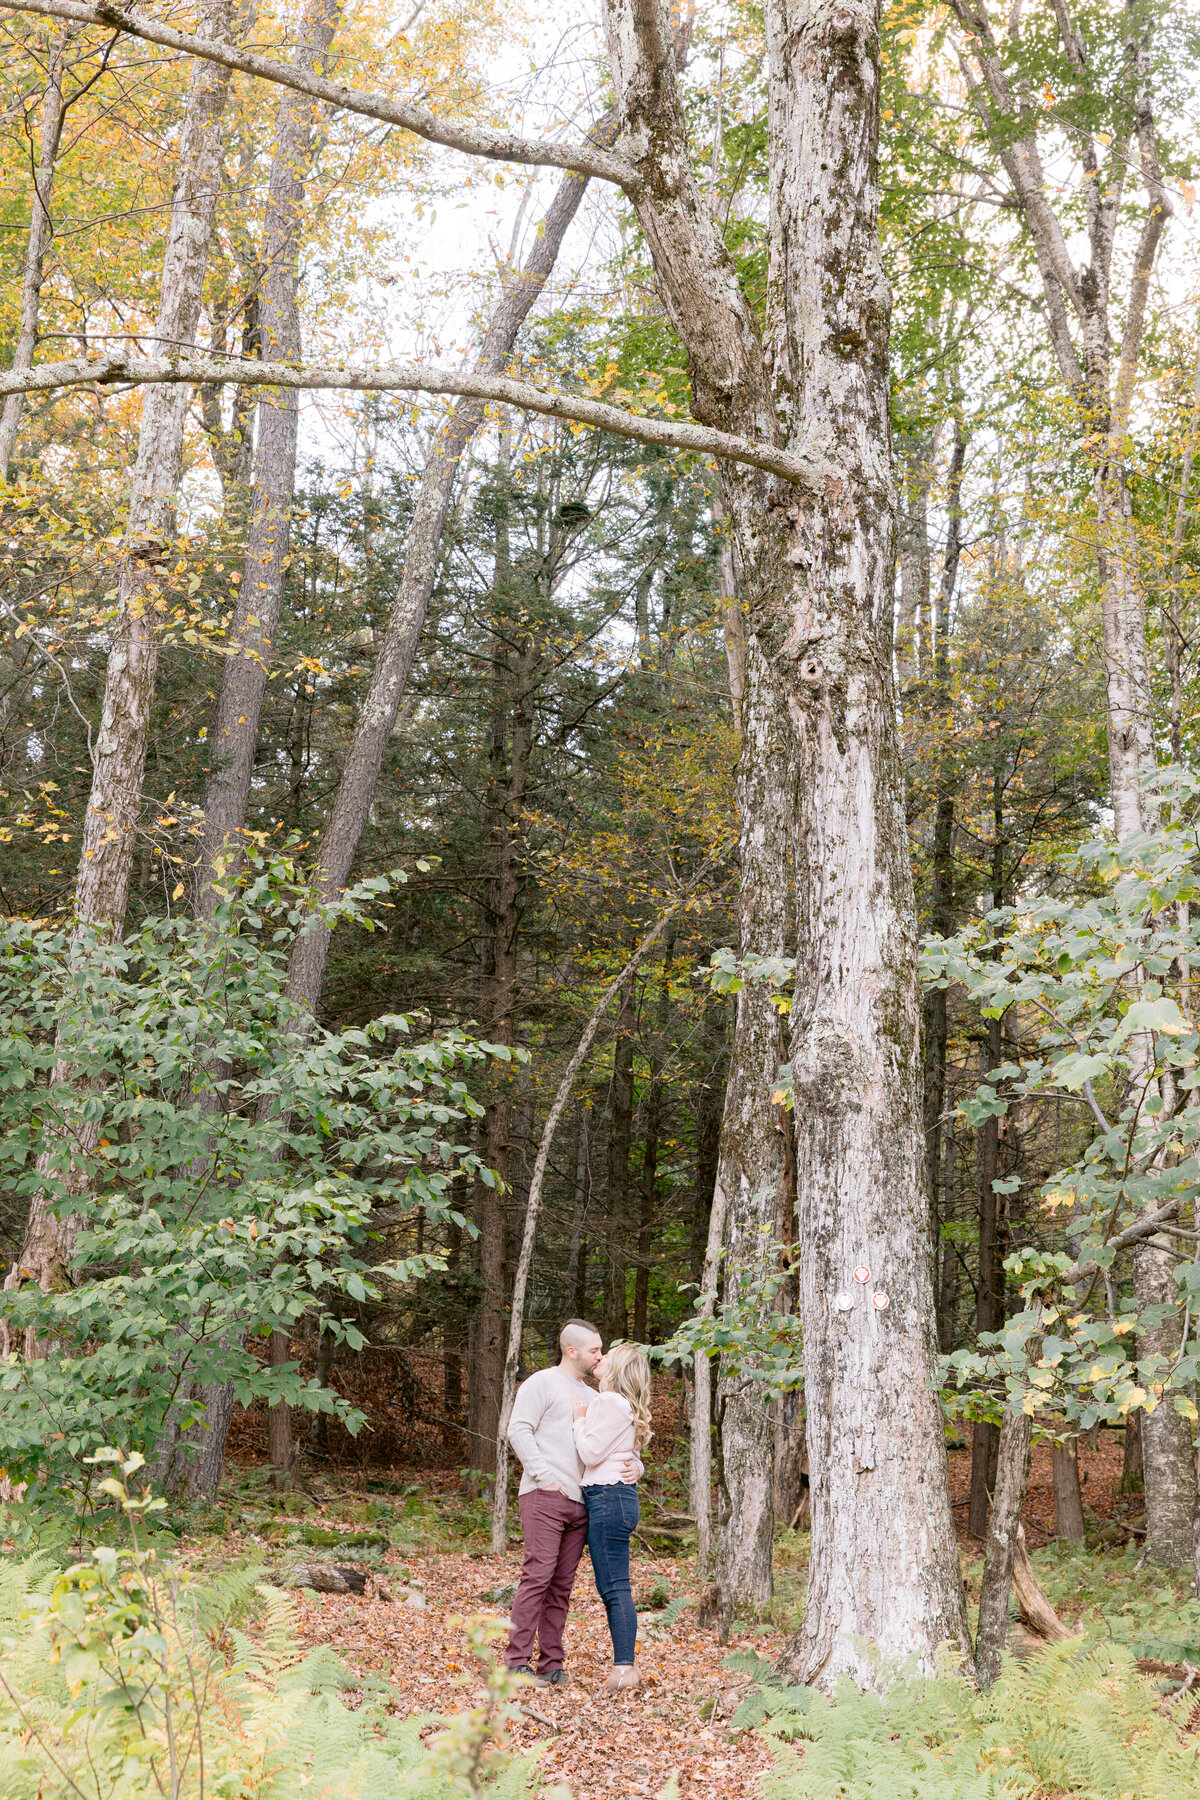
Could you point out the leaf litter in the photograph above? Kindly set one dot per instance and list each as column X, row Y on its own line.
column 602, row 1748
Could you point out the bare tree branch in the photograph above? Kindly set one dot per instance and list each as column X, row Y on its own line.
column 803, row 469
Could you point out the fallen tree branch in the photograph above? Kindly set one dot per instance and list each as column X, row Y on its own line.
column 473, row 140
column 1036, row 1611
column 804, row 470
column 531, row 1712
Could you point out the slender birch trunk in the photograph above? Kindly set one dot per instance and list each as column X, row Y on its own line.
column 260, row 595
column 114, row 804
column 41, row 233
column 942, row 907
column 815, row 573
column 615, row 1316
column 377, row 719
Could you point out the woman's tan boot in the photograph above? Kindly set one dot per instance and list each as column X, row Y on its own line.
column 623, row 1679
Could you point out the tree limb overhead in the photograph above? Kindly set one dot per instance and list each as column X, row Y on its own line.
column 472, row 140
column 681, row 434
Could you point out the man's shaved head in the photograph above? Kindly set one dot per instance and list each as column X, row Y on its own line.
column 581, row 1349
column 577, row 1334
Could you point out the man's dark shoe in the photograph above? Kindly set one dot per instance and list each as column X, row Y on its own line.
column 553, row 1678
column 523, row 1669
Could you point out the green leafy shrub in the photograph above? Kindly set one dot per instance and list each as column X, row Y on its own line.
column 119, row 1679
column 1076, row 1719
column 225, row 1163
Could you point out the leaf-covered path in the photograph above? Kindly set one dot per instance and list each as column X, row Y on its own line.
column 601, row 1748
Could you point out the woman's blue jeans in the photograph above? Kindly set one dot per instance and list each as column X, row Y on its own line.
column 612, row 1510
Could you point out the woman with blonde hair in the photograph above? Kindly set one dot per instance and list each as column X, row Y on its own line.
column 608, row 1431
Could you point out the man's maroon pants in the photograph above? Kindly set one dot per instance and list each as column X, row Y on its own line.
column 555, row 1530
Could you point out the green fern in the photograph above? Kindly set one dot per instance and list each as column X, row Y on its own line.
column 749, row 1662
column 1076, row 1720
column 269, row 1718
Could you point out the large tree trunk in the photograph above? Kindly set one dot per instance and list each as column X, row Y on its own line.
column 260, row 596
column 275, row 328
column 114, row 804
column 41, row 232
column 815, row 571
column 755, row 1168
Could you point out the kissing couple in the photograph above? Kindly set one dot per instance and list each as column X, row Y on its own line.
column 578, row 1453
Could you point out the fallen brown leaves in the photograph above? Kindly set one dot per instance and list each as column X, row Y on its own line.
column 603, row 1749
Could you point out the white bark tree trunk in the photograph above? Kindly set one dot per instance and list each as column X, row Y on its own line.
column 260, row 595
column 815, row 573
column 114, row 805
column 1101, row 376
column 700, row 1440
column 1168, row 1459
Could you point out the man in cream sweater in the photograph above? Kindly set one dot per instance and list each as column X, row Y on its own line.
column 553, row 1516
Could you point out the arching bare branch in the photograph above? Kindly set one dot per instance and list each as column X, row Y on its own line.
column 801, row 469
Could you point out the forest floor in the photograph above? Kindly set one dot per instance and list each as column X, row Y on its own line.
column 602, row 1748
column 677, row 1724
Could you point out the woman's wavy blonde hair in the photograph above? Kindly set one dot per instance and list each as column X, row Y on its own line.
column 627, row 1372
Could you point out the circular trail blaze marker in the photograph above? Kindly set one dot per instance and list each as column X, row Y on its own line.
column 880, row 1301
column 843, row 1302
column 862, row 1273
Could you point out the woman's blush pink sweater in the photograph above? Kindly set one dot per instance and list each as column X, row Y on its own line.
column 604, row 1438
